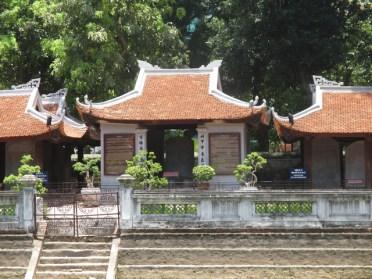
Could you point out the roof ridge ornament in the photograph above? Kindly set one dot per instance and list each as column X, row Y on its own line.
column 146, row 65
column 214, row 64
column 59, row 93
column 33, row 83
column 321, row 81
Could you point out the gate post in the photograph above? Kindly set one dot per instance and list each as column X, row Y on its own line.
column 126, row 201
column 28, row 192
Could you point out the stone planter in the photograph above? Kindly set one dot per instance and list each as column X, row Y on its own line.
column 91, row 196
column 202, row 185
column 248, row 187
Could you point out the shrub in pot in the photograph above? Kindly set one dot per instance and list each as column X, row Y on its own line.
column 26, row 167
column 246, row 173
column 89, row 168
column 146, row 171
column 202, row 175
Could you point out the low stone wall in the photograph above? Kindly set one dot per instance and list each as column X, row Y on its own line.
column 16, row 210
column 245, row 209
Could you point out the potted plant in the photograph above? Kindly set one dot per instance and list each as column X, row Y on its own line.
column 146, row 171
column 90, row 169
column 26, row 168
column 246, row 173
column 202, row 175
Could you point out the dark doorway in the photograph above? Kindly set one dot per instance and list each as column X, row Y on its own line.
column 2, row 161
column 174, row 148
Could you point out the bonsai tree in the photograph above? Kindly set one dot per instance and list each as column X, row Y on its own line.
column 203, row 173
column 26, row 167
column 89, row 168
column 246, row 173
column 146, row 171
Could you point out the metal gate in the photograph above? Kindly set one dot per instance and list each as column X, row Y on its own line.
column 76, row 215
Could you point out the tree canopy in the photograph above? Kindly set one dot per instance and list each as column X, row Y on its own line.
column 269, row 48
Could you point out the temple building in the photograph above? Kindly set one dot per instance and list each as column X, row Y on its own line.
column 180, row 114
column 336, row 135
column 36, row 124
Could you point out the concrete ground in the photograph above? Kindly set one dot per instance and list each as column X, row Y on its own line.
column 246, row 255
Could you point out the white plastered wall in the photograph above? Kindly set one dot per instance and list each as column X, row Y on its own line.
column 203, row 134
column 113, row 128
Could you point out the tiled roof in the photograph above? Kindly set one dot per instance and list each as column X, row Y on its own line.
column 70, row 131
column 173, row 97
column 22, row 117
column 343, row 114
column 15, row 122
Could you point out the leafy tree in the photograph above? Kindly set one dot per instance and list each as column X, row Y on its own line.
column 89, row 168
column 95, row 44
column 21, row 54
column 25, row 168
column 272, row 48
column 146, row 171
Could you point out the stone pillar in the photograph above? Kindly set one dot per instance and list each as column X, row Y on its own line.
column 28, row 192
column 205, row 210
column 203, row 153
column 141, row 140
column 126, row 201
column 368, row 162
column 307, row 155
column 246, row 209
column 322, row 207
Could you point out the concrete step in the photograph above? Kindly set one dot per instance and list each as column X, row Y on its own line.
column 16, row 243
column 233, row 242
column 78, row 266
column 6, row 274
column 255, row 257
column 15, row 236
column 61, row 252
column 88, row 259
column 254, row 236
column 71, row 274
column 76, row 245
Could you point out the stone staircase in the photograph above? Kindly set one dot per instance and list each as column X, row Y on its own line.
column 73, row 259
column 15, row 253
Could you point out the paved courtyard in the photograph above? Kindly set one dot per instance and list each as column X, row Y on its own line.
column 246, row 255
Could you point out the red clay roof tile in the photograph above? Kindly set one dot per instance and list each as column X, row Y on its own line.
column 172, row 97
column 343, row 114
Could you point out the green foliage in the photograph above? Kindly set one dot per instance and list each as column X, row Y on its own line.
column 146, row 171
column 203, row 173
column 246, row 172
column 26, row 168
column 272, row 48
column 94, row 45
column 90, row 168
column 269, row 48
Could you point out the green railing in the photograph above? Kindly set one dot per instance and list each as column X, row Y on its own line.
column 284, row 207
column 169, row 209
column 8, row 210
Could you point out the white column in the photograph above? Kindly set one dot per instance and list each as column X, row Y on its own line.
column 141, row 140
column 203, row 154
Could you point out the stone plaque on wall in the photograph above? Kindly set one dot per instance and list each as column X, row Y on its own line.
column 118, row 148
column 224, row 152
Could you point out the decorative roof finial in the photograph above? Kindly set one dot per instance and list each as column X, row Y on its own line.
column 321, row 81
column 86, row 100
column 33, row 83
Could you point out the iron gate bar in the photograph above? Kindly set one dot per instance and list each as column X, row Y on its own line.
column 78, row 214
